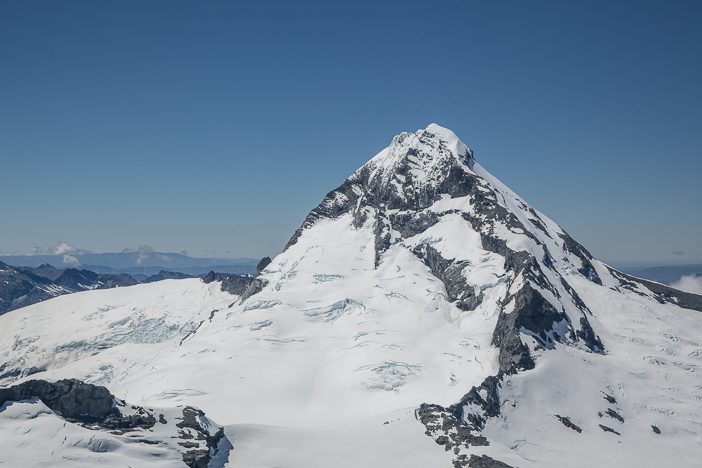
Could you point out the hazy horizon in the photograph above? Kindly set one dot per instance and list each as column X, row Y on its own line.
column 41, row 251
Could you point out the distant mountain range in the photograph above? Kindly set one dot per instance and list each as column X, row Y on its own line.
column 23, row 286
column 143, row 261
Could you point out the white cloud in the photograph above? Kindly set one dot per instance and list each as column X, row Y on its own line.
column 689, row 283
column 70, row 260
column 61, row 248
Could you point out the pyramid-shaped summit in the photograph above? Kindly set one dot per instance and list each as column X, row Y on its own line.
column 427, row 195
column 423, row 315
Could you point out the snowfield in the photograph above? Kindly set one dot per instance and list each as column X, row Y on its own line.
column 421, row 280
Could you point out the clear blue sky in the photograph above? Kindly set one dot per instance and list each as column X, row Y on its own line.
column 216, row 126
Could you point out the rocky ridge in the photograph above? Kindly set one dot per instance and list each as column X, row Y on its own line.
column 185, row 429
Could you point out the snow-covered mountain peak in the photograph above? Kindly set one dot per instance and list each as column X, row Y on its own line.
column 458, row 148
column 421, row 158
column 421, row 296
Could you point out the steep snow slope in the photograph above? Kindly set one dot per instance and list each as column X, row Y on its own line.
column 421, row 293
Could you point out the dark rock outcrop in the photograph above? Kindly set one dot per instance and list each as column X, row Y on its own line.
column 237, row 284
column 568, row 423
column 72, row 399
column 240, row 285
column 614, row 415
column 447, row 429
column 457, row 428
column 211, row 276
column 587, row 270
column 265, row 261
column 483, row 461
column 489, row 404
column 197, row 457
column 254, row 287
column 531, row 313
column 608, row 429
column 587, row 334
column 95, row 406
column 450, row 273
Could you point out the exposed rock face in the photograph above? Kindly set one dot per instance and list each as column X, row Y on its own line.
column 459, row 427
column 480, row 403
column 447, row 429
column 197, row 438
column 240, row 285
column 608, row 429
column 587, row 269
column 265, row 261
column 244, row 286
column 484, row 461
column 254, row 287
column 568, row 423
column 237, row 284
column 72, row 399
column 533, row 313
column 198, row 455
column 212, row 276
column 233, row 284
column 450, row 272
column 614, row 415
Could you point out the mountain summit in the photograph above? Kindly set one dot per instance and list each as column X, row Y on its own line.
column 423, row 315
column 428, row 154
column 426, row 194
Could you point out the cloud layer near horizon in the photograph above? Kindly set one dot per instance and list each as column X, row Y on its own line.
column 689, row 283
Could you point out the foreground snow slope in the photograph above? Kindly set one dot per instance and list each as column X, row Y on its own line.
column 423, row 315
